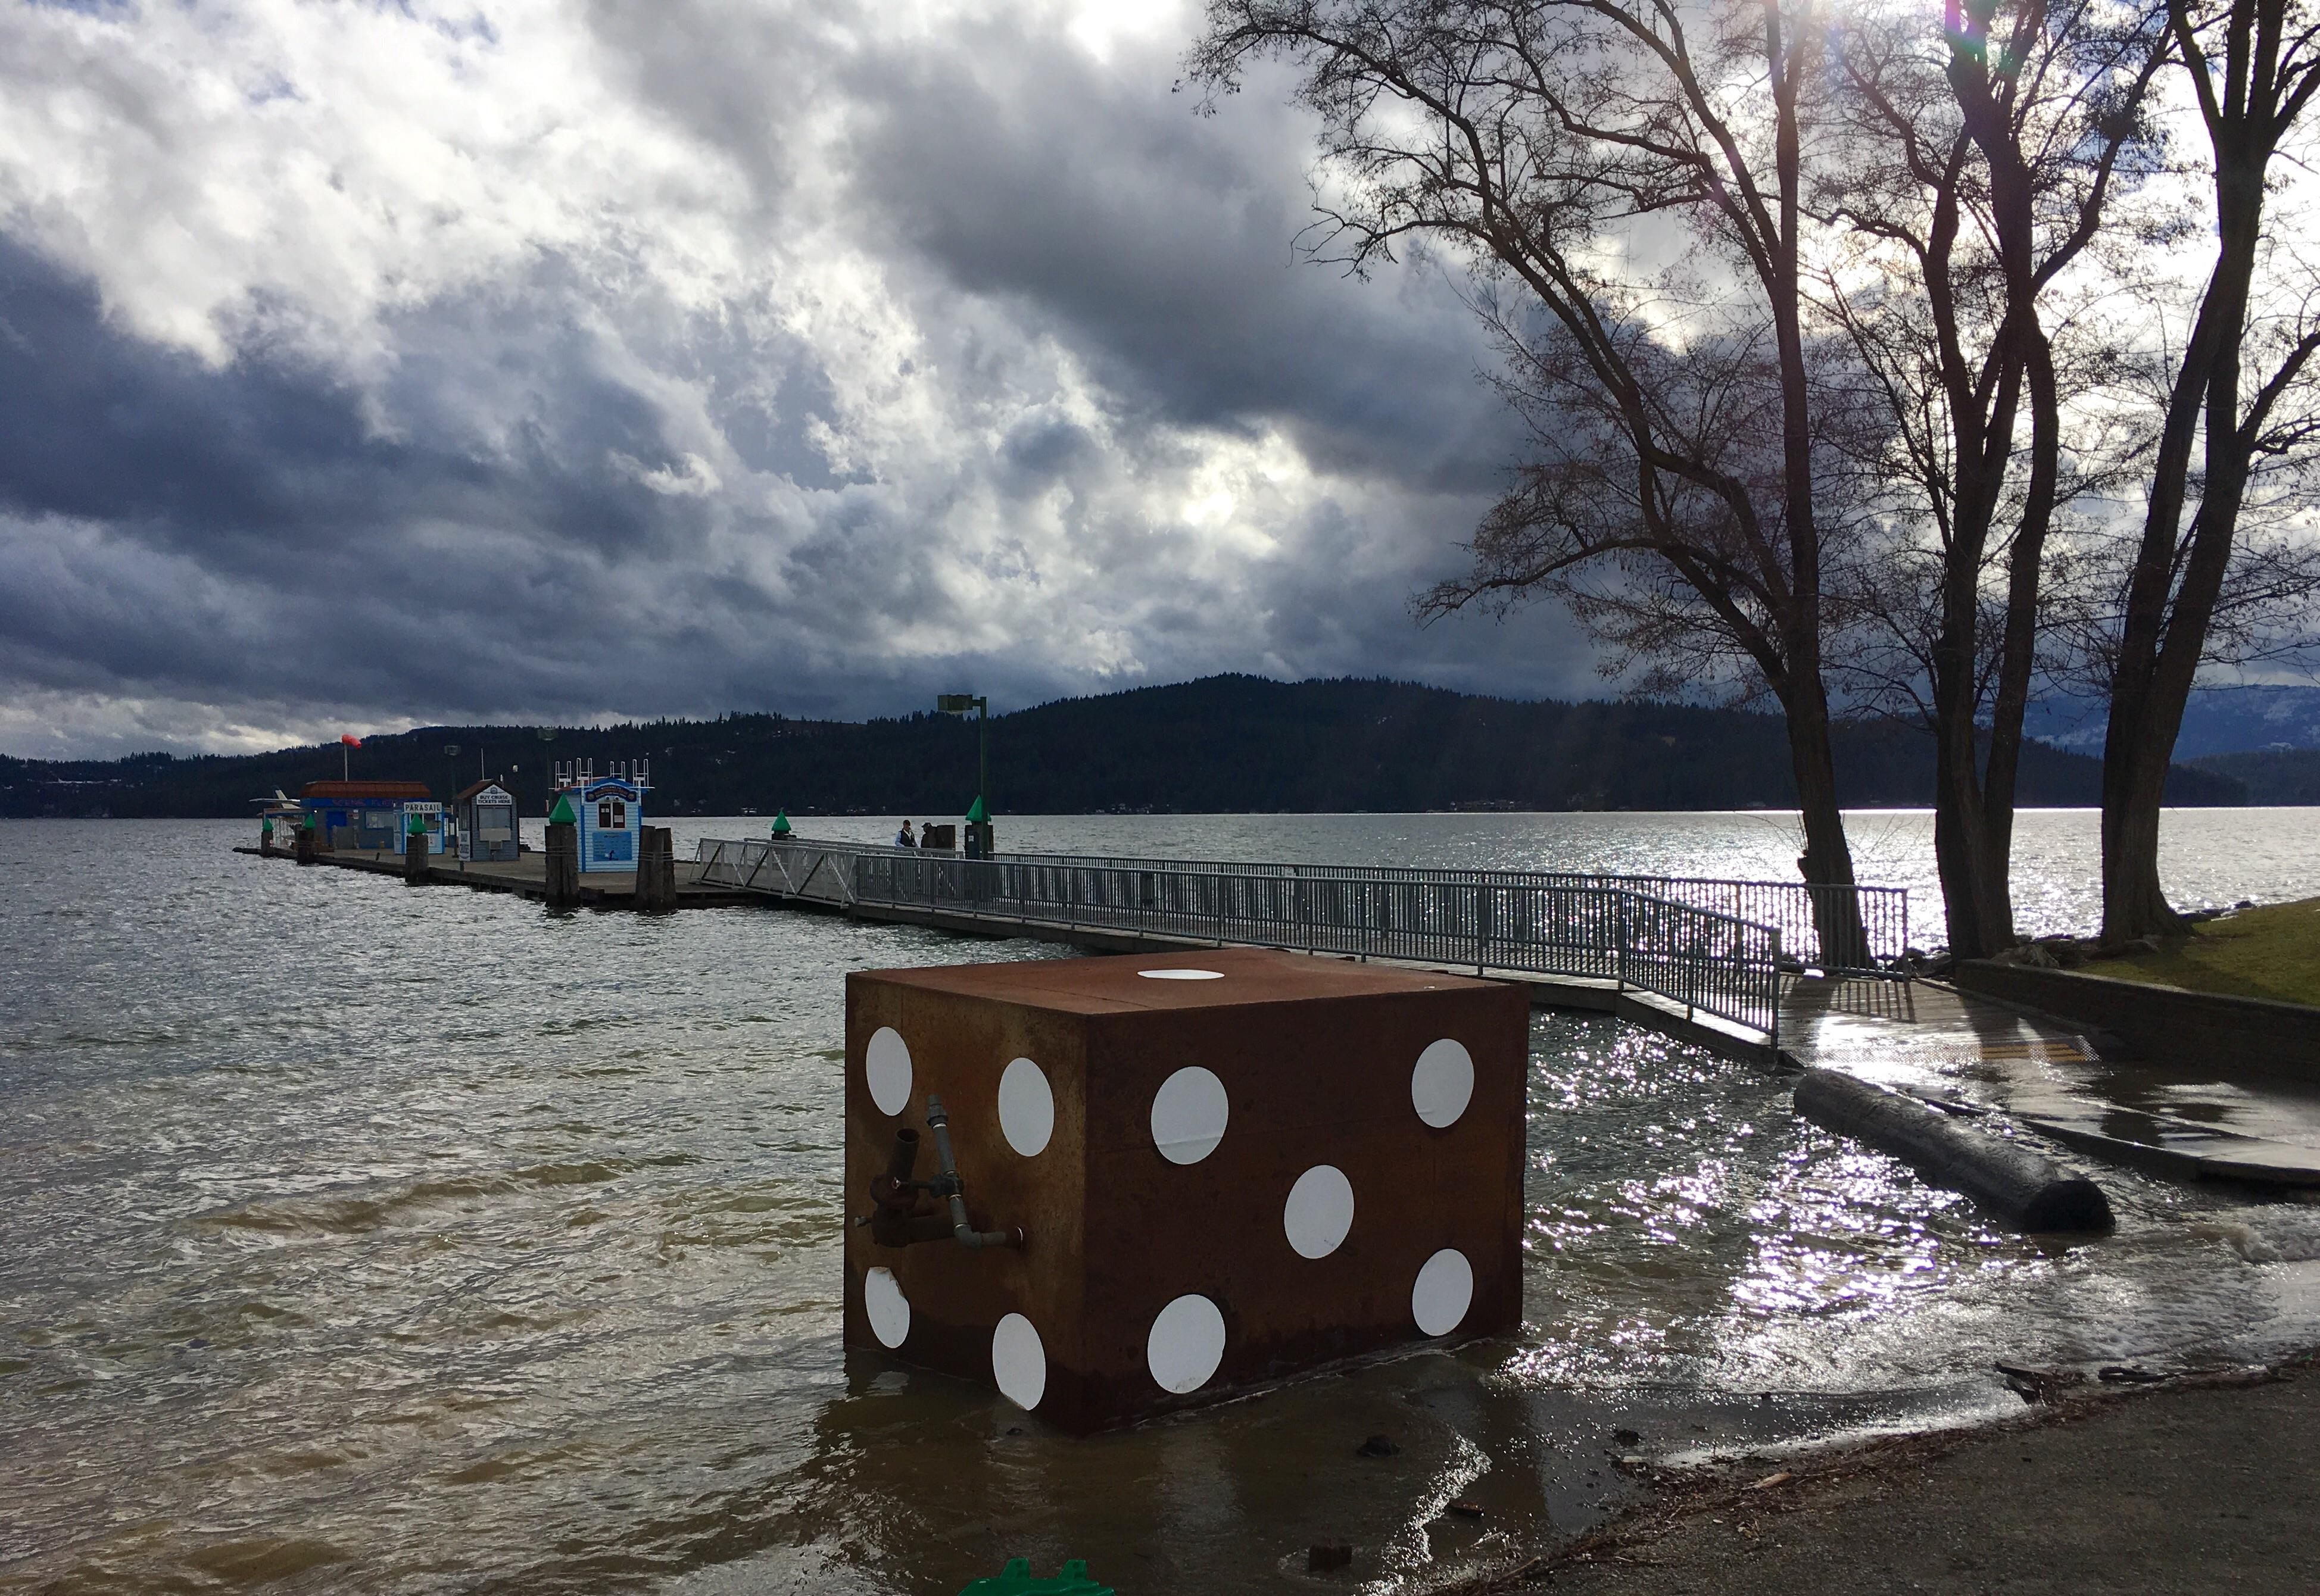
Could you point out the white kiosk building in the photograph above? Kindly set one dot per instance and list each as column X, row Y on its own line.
column 609, row 809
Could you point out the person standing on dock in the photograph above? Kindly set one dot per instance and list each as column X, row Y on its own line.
column 903, row 839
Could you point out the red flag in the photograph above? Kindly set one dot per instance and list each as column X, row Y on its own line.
column 350, row 739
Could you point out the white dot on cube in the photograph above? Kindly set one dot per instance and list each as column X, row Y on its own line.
column 1443, row 1083
column 1188, row 1115
column 1019, row 1362
column 1181, row 974
column 1319, row 1210
column 888, row 1308
column 1027, row 1107
column 887, row 1066
column 1186, row 1344
column 1444, row 1292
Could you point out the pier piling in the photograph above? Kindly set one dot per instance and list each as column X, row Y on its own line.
column 655, row 870
column 563, row 865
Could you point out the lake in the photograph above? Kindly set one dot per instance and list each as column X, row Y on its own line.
column 358, row 1237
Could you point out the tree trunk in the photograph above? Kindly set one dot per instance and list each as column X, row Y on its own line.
column 2165, row 629
column 2019, row 644
column 1827, row 858
column 2134, row 902
column 1959, row 858
column 1973, row 823
column 1827, row 862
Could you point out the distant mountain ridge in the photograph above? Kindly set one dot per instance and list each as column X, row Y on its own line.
column 2217, row 720
column 1220, row 744
column 2273, row 776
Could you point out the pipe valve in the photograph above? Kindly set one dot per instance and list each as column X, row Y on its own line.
column 909, row 1211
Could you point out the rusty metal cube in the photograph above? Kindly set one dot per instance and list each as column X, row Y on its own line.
column 1229, row 1166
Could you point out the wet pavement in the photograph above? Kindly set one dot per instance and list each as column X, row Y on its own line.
column 2081, row 1088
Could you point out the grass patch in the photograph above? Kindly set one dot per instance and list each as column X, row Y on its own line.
column 2269, row 952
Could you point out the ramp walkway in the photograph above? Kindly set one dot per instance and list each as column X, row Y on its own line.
column 1716, row 949
column 1737, row 966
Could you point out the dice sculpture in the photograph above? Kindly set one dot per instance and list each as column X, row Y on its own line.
column 1114, row 1187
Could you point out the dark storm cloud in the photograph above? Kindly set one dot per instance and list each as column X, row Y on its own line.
column 1162, row 243
column 286, row 532
column 1011, row 379
column 247, row 528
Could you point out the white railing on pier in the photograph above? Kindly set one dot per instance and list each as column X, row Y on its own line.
column 1605, row 928
column 1868, row 926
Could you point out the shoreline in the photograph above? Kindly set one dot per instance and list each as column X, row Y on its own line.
column 2202, row 1480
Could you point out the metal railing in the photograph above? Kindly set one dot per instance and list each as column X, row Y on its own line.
column 1605, row 928
column 1879, row 914
column 1872, row 924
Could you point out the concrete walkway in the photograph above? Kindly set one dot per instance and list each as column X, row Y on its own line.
column 2186, row 1118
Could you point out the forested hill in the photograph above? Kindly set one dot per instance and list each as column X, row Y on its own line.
column 1224, row 744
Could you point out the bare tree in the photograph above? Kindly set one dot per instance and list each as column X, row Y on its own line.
column 1559, row 145
column 1977, row 159
column 2253, row 66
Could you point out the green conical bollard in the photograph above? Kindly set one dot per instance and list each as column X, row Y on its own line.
column 1017, row 1580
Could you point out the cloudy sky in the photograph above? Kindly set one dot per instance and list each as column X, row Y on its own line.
column 365, row 364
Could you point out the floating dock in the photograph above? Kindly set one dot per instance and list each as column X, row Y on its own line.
column 526, row 876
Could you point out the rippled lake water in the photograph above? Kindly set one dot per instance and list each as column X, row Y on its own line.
column 358, row 1237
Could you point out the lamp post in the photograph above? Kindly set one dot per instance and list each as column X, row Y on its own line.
column 977, row 840
column 959, row 704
